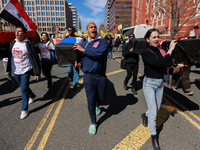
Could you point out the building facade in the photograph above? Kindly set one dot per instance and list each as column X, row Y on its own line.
column 120, row 13
column 48, row 13
column 155, row 13
column 106, row 18
column 74, row 16
column 78, row 22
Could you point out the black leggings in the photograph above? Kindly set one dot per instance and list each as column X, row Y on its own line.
column 46, row 70
column 132, row 69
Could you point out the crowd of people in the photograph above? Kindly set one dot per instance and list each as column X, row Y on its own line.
column 24, row 61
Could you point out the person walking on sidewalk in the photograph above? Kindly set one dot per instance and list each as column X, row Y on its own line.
column 45, row 47
column 110, row 56
column 154, row 69
column 24, row 62
column 94, row 61
column 73, row 72
column 132, row 60
column 117, row 43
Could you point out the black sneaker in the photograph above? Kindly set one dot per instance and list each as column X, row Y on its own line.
column 190, row 93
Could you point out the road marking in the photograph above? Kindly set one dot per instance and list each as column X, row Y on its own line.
column 138, row 137
column 42, row 122
column 183, row 107
column 53, row 120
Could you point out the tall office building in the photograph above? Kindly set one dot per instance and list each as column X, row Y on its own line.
column 47, row 14
column 78, row 22
column 106, row 18
column 74, row 15
column 120, row 13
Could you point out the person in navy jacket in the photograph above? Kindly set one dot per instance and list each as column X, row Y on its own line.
column 94, row 59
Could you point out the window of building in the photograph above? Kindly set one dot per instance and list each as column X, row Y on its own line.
column 52, row 8
column 25, row 8
column 29, row 8
column 42, row 2
column 29, row 13
column 43, row 13
column 47, row 2
column 33, row 8
column 34, row 19
column 62, row 13
column 37, row 2
column 51, row 2
column 57, row 8
column 38, row 13
column 56, row 2
column 62, row 19
column 32, row 2
column 61, row 8
column 39, row 24
column 53, row 19
column 52, row 13
column 147, row 6
column 28, row 2
column 48, row 19
column 47, row 7
column 38, row 18
column 57, row 19
column 61, row 3
column 44, row 29
column 37, row 7
column 47, row 13
column 57, row 14
column 42, row 8
column 33, row 14
column 43, row 19
column 63, row 24
column 43, row 24
column 24, row 2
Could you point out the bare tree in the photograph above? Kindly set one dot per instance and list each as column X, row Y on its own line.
column 180, row 12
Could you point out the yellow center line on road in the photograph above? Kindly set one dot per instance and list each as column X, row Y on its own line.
column 138, row 137
column 53, row 120
column 42, row 122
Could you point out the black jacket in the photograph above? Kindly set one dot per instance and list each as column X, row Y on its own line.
column 154, row 63
column 33, row 56
column 131, row 57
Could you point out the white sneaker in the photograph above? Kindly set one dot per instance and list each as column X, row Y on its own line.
column 31, row 100
column 24, row 114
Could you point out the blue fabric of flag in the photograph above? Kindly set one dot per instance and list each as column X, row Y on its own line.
column 68, row 40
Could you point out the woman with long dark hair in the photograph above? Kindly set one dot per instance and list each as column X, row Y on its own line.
column 154, row 69
column 45, row 47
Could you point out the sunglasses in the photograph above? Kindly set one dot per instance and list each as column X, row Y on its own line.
column 132, row 36
column 69, row 30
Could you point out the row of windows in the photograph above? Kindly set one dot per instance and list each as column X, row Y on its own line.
column 43, row 8
column 50, row 19
column 40, row 2
column 123, row 7
column 123, row 2
column 47, row 14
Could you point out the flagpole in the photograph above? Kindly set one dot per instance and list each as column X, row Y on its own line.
column 5, row 6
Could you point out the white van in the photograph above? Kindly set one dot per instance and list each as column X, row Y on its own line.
column 139, row 30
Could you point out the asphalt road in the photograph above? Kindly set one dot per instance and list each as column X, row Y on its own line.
column 59, row 118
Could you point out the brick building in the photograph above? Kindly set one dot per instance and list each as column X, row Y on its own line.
column 119, row 13
column 151, row 12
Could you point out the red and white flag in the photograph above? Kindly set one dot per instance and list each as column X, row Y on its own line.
column 14, row 13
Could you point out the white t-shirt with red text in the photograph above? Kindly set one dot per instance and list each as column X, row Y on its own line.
column 20, row 62
column 45, row 53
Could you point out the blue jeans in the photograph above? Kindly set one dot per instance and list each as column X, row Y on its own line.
column 110, row 53
column 73, row 75
column 95, row 88
column 23, row 82
column 153, row 92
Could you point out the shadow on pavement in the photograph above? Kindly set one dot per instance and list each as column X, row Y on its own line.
column 116, row 103
column 4, row 88
column 182, row 99
column 50, row 95
column 10, row 101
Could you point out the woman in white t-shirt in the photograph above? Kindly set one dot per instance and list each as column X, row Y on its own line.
column 45, row 47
